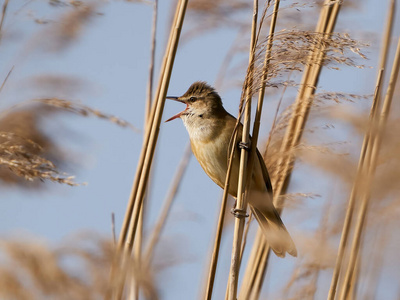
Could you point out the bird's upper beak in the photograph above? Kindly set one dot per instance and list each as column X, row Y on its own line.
column 178, row 115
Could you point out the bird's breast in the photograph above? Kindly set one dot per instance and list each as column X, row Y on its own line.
column 212, row 156
column 210, row 147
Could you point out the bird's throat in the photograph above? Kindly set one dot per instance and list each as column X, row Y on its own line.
column 204, row 130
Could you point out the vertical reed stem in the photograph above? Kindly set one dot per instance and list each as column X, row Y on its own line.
column 376, row 137
column 351, row 203
column 129, row 227
column 241, row 199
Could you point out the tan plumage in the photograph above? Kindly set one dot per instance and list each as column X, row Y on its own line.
column 210, row 129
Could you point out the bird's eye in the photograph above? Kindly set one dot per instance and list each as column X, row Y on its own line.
column 192, row 99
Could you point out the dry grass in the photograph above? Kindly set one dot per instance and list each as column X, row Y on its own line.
column 83, row 110
column 68, row 28
column 34, row 270
column 27, row 153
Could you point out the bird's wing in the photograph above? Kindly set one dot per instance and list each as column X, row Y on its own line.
column 231, row 122
column 264, row 170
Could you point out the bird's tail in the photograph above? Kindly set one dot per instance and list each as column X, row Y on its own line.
column 274, row 230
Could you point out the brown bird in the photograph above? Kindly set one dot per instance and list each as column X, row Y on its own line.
column 210, row 129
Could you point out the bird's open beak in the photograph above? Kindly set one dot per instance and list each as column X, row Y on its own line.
column 178, row 115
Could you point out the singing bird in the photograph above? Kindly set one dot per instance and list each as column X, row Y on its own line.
column 210, row 129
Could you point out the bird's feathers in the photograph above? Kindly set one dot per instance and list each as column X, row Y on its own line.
column 274, row 231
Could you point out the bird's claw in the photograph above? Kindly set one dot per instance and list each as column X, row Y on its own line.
column 245, row 146
column 239, row 213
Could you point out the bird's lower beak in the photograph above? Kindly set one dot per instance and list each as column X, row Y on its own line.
column 178, row 115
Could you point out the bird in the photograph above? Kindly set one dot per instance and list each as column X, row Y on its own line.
column 210, row 129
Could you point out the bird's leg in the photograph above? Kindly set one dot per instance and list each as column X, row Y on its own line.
column 237, row 212
column 234, row 206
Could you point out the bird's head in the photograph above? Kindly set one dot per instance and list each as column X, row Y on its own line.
column 202, row 102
